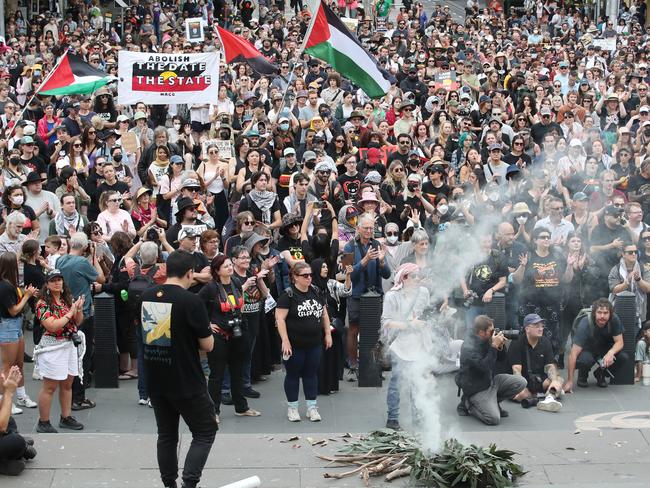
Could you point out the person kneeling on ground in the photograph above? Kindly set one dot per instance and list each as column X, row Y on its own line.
column 482, row 390
column 14, row 448
column 532, row 358
column 598, row 339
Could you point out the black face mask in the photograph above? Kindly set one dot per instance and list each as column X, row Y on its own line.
column 117, row 158
column 14, row 161
column 310, row 164
column 224, row 135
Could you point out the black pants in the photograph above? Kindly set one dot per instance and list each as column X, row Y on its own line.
column 12, row 446
column 229, row 353
column 587, row 359
column 78, row 389
column 198, row 414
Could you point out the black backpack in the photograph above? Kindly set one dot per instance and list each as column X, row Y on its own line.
column 138, row 284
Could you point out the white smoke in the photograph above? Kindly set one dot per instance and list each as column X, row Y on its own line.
column 430, row 354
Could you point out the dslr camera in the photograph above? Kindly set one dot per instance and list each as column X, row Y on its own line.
column 510, row 334
column 152, row 234
column 75, row 338
column 234, row 325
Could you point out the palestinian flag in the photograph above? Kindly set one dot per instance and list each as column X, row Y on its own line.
column 330, row 40
column 74, row 76
column 236, row 49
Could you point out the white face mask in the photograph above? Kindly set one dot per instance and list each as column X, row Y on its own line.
column 391, row 239
column 493, row 196
column 17, row 200
column 442, row 209
column 177, row 126
column 522, row 219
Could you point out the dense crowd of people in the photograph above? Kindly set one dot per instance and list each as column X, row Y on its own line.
column 281, row 203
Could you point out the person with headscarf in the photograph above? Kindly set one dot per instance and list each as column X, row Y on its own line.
column 331, row 364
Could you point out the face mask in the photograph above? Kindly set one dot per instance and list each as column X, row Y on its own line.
column 442, row 209
column 224, row 136
column 177, row 126
column 391, row 239
column 310, row 164
column 493, row 196
column 522, row 219
column 14, row 161
column 284, row 126
column 17, row 200
column 117, row 158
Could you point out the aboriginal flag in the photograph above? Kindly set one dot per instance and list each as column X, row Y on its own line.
column 236, row 49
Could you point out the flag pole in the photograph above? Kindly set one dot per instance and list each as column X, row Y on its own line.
column 47, row 78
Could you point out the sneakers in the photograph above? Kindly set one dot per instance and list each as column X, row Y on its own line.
column 30, row 453
column 313, row 415
column 248, row 413
column 583, row 379
column 549, row 404
column 26, row 402
column 393, row 424
column 250, row 393
column 351, row 375
column 226, row 398
column 70, row 423
column 142, row 401
column 149, row 403
column 601, row 381
column 83, row 405
column 36, row 376
column 293, row 415
column 503, row 413
column 15, row 410
column 12, row 467
column 45, row 427
column 216, row 417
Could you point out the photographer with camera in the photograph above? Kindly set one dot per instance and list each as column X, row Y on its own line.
column 303, row 323
column 482, row 390
column 597, row 340
column 58, row 356
column 224, row 301
column 80, row 268
column 532, row 358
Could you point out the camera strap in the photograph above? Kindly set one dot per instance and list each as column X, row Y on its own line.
column 529, row 369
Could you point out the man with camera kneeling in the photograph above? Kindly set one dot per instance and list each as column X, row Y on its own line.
column 597, row 340
column 532, row 358
column 482, row 390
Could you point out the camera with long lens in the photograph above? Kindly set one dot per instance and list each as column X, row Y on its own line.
column 76, row 339
column 510, row 334
column 234, row 326
column 152, row 234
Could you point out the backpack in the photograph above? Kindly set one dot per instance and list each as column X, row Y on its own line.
column 138, row 285
column 585, row 312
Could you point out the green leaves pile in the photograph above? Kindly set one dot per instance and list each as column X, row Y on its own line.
column 396, row 454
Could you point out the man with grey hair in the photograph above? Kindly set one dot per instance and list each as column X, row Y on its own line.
column 12, row 238
column 80, row 269
column 369, row 267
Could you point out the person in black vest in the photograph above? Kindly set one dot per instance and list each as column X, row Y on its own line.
column 175, row 326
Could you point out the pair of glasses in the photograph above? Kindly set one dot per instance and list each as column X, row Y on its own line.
column 398, row 170
column 115, row 200
column 391, row 234
column 340, row 140
column 248, row 222
column 304, row 275
column 629, row 253
column 76, row 145
column 545, row 237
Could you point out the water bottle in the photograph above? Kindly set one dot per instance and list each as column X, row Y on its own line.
column 124, row 295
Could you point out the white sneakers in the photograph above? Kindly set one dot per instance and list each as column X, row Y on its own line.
column 15, row 410
column 26, row 402
column 313, row 415
column 549, row 404
column 293, row 415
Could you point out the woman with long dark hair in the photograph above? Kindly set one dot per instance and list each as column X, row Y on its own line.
column 224, row 301
column 12, row 342
column 57, row 356
column 304, row 327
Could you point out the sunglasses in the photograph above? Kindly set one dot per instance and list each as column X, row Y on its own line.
column 115, row 200
column 391, row 234
column 304, row 275
column 545, row 237
column 248, row 222
column 629, row 252
column 398, row 170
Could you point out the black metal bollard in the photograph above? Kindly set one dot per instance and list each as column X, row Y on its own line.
column 106, row 356
column 370, row 308
column 496, row 310
column 625, row 308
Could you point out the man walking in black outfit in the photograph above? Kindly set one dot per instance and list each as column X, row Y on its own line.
column 175, row 326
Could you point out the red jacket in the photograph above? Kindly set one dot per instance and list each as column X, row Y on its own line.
column 41, row 128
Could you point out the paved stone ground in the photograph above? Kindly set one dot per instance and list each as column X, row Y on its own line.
column 117, row 448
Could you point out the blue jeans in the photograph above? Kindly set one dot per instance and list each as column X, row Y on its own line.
column 303, row 363
column 392, row 395
column 473, row 312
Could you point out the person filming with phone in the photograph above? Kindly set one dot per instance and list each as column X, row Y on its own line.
column 370, row 267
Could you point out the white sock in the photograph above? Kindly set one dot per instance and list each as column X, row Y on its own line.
column 20, row 392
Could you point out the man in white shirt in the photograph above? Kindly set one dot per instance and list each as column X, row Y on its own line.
column 45, row 203
column 555, row 222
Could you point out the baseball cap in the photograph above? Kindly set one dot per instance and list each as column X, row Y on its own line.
column 187, row 233
column 289, row 150
column 531, row 319
column 545, row 111
column 494, row 146
column 580, row 197
column 613, row 210
column 308, row 155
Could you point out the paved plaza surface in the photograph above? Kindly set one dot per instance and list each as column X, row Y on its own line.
column 600, row 438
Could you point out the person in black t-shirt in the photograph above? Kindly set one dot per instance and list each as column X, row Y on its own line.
column 532, row 357
column 175, row 326
column 289, row 245
column 302, row 321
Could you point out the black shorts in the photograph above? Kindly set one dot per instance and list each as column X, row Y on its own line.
column 354, row 314
column 199, row 127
